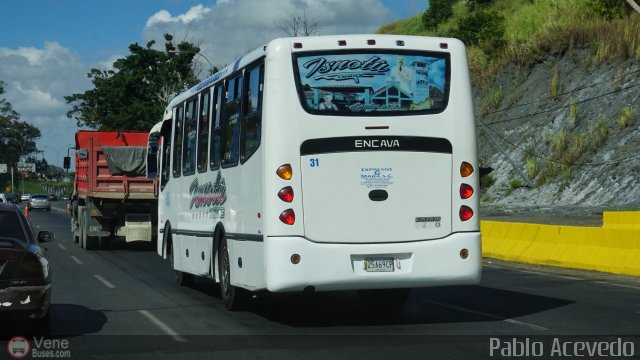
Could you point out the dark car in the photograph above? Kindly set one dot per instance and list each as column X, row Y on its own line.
column 13, row 198
column 25, row 273
column 53, row 197
column 39, row 201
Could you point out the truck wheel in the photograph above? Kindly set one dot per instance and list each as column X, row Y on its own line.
column 82, row 229
column 233, row 297
column 75, row 228
column 182, row 278
column 89, row 241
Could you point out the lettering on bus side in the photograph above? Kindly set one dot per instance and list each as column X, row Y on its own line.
column 377, row 143
column 210, row 196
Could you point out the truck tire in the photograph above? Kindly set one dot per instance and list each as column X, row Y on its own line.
column 233, row 297
column 89, row 241
column 74, row 221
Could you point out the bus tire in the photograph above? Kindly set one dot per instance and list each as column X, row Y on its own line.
column 233, row 297
column 384, row 297
column 182, row 278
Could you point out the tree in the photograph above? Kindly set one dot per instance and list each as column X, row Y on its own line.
column 482, row 28
column 438, row 12
column 298, row 25
column 134, row 94
column 17, row 137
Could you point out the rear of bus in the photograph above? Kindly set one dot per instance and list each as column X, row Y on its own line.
column 371, row 164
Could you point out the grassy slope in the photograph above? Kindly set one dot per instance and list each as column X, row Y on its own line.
column 536, row 28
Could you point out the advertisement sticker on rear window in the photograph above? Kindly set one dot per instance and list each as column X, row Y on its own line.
column 376, row 177
column 369, row 83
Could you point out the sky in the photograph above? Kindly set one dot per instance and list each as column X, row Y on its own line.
column 47, row 47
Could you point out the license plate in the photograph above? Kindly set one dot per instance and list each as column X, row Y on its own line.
column 379, row 264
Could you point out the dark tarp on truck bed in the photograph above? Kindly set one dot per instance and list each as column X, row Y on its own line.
column 126, row 160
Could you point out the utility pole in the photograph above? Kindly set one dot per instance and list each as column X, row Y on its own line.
column 633, row 4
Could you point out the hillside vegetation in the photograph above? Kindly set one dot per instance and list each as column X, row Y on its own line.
column 557, row 97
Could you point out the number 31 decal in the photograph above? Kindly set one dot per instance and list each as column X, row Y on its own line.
column 314, row 162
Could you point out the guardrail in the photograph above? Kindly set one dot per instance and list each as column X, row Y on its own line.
column 614, row 247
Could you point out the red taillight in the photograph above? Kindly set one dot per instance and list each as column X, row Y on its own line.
column 288, row 217
column 342, row 42
column 297, row 45
column 286, row 194
column 371, row 42
column 444, row 46
column 466, row 213
column 466, row 191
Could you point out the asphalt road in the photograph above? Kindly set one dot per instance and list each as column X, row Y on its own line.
column 124, row 303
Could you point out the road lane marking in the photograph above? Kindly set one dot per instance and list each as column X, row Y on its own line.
column 614, row 284
column 162, row 326
column 78, row 261
column 497, row 317
column 104, row 281
column 62, row 247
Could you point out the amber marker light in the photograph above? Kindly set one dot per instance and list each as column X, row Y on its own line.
column 464, row 254
column 466, row 169
column 285, row 172
column 295, row 259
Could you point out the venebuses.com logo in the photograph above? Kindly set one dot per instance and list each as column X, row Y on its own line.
column 20, row 347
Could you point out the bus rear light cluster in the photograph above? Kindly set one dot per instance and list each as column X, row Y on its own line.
column 285, row 172
column 466, row 191
column 342, row 42
column 288, row 217
column 466, row 213
column 286, row 194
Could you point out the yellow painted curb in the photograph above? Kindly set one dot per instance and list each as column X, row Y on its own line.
column 614, row 247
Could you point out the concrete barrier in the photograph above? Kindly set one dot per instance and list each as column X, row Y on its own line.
column 614, row 247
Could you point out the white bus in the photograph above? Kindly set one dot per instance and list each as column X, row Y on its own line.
column 324, row 163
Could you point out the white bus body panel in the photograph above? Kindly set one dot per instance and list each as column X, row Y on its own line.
column 328, row 267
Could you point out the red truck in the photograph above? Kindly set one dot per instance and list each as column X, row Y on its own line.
column 112, row 196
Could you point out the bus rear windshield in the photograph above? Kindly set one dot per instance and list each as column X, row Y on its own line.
column 373, row 83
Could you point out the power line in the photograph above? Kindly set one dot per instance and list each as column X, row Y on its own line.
column 562, row 94
column 561, row 107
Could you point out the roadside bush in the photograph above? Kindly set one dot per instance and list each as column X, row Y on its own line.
column 610, row 9
column 486, row 181
column 628, row 116
column 438, row 12
column 482, row 28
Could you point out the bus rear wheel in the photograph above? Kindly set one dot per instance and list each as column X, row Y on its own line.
column 233, row 297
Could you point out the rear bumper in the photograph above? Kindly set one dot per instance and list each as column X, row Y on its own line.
column 328, row 267
column 28, row 302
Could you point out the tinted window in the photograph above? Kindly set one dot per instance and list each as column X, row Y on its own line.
column 10, row 226
column 252, row 120
column 203, row 132
column 190, row 131
column 216, row 132
column 357, row 83
column 231, row 122
column 177, row 140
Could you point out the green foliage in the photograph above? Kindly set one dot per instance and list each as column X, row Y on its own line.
column 609, row 9
column 573, row 114
column 492, row 99
column 531, row 165
column 486, row 182
column 17, row 137
column 482, row 28
column 134, row 95
column 627, row 117
column 438, row 12
column 515, row 183
column 554, row 84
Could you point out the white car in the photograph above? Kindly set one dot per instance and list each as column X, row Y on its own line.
column 25, row 197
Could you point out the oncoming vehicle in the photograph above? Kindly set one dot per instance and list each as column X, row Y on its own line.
column 25, row 284
column 324, row 163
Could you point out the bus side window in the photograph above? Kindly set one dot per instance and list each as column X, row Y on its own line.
column 216, row 132
column 203, row 131
column 231, row 122
column 252, row 120
column 189, row 147
column 177, row 140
